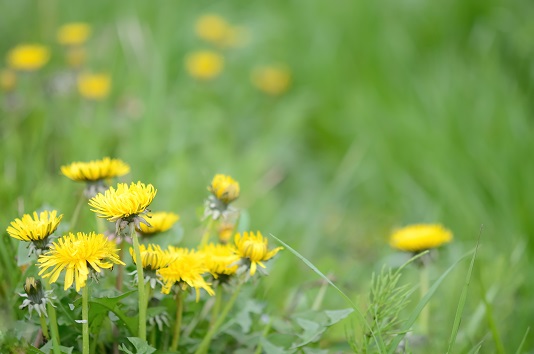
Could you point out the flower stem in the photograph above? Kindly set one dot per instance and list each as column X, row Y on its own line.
column 140, row 285
column 53, row 322
column 85, row 319
column 76, row 214
column 207, row 233
column 178, row 324
column 44, row 327
column 217, row 305
column 425, row 312
column 204, row 345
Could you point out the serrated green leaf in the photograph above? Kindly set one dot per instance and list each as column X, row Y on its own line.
column 141, row 346
column 270, row 348
column 312, row 332
column 337, row 315
column 48, row 349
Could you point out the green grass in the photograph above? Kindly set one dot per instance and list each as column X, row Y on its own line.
column 399, row 112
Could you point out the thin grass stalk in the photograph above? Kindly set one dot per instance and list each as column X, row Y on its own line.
column 207, row 233
column 178, row 322
column 53, row 322
column 85, row 319
column 140, row 285
column 76, row 214
column 425, row 312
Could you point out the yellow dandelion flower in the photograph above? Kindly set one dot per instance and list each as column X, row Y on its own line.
column 78, row 255
column 37, row 228
column 75, row 56
column 73, row 34
column 254, row 248
column 220, row 259
column 273, row 80
column 224, row 188
column 125, row 202
column 225, row 231
column 28, row 57
column 159, row 222
column 212, row 28
column 153, row 257
column 8, row 80
column 420, row 237
column 94, row 86
column 186, row 270
column 204, row 65
column 95, row 170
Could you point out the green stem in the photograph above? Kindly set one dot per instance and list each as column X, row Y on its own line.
column 76, row 214
column 140, row 285
column 207, row 232
column 320, row 297
column 44, row 327
column 204, row 345
column 53, row 322
column 216, row 306
column 85, row 318
column 425, row 312
column 263, row 335
column 178, row 324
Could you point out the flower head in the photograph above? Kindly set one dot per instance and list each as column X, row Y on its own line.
column 73, row 34
column 220, row 259
column 186, row 270
column 253, row 248
column 28, row 57
column 35, row 230
column 224, row 188
column 8, row 80
column 94, row 86
column 212, row 28
column 204, row 65
column 78, row 255
column 225, row 231
column 35, row 297
column 420, row 237
column 159, row 222
column 95, row 170
column 153, row 258
column 273, row 80
column 125, row 202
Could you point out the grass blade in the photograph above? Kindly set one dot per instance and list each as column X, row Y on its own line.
column 520, row 348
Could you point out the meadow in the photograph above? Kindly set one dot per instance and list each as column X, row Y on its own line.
column 395, row 113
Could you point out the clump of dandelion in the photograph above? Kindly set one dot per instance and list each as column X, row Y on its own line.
column 36, row 230
column 252, row 249
column 8, row 80
column 80, row 256
column 153, row 258
column 35, row 297
column 224, row 190
column 94, row 87
column 95, row 173
column 159, row 222
column 73, row 34
column 28, row 57
column 204, row 65
column 216, row 30
column 273, row 80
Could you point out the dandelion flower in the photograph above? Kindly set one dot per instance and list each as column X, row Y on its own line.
column 273, row 80
column 78, row 255
column 220, row 259
column 204, row 65
column 28, row 57
column 95, row 170
column 73, row 34
column 94, row 86
column 253, row 248
column 185, row 271
column 35, row 230
column 420, row 237
column 153, row 258
column 159, row 222
column 35, row 297
column 224, row 188
column 225, row 231
column 8, row 80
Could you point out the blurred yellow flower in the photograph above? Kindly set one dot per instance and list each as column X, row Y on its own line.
column 159, row 222
column 8, row 80
column 224, row 188
column 186, row 270
column 95, row 170
column 28, row 57
column 37, row 228
column 78, row 255
column 153, row 257
column 420, row 237
column 254, row 248
column 125, row 202
column 216, row 30
column 75, row 56
column 204, row 65
column 225, row 231
column 94, row 86
column 220, row 259
column 273, row 80
column 72, row 34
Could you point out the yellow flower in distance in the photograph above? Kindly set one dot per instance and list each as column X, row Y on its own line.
column 220, row 259
column 224, row 188
column 159, row 222
column 186, row 270
column 37, row 228
column 273, row 80
column 204, row 65
column 95, row 170
column 94, row 86
column 72, row 34
column 420, row 237
column 78, row 255
column 212, row 28
column 125, row 202
column 28, row 57
column 225, row 231
column 254, row 248
column 8, row 80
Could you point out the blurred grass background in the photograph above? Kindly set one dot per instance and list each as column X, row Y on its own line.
column 399, row 112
